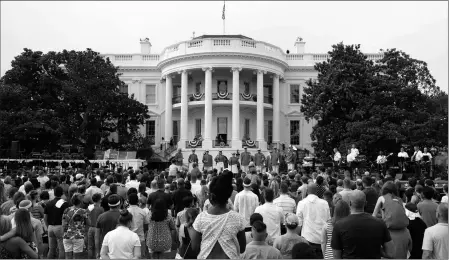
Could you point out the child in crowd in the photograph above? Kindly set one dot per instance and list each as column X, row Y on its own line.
column 258, row 248
column 181, row 216
column 185, row 231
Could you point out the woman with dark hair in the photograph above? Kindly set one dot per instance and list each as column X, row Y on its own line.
column 74, row 222
column 143, row 191
column 303, row 251
column 239, row 183
column 320, row 187
column 160, row 231
column 341, row 210
column 219, row 232
column 121, row 243
column 286, row 242
column 14, row 247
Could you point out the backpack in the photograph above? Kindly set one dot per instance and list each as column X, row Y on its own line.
column 394, row 213
column 159, row 238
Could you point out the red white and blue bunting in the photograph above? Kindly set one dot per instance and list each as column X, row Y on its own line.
column 222, row 95
column 198, row 96
column 250, row 143
column 194, row 143
column 246, row 96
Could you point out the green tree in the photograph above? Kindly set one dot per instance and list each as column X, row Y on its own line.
column 375, row 105
column 65, row 97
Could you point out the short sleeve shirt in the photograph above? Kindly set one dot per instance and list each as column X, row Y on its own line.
column 121, row 243
column 436, row 240
column 207, row 225
column 360, row 236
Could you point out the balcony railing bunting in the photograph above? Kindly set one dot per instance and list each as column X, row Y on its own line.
column 223, row 144
column 228, row 96
column 194, row 144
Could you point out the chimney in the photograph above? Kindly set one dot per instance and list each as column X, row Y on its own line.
column 145, row 46
column 300, row 45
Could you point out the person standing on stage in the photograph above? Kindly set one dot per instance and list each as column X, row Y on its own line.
column 402, row 155
column 427, row 159
column 193, row 158
column 381, row 161
column 207, row 161
column 416, row 159
column 289, row 159
column 219, row 160
column 337, row 157
column 354, row 151
column 233, row 162
column 275, row 160
column 179, row 159
column 259, row 161
column 245, row 158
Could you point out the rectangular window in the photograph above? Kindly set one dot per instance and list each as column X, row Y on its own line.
column 176, row 90
column 198, row 127
column 294, row 94
column 198, row 88
column 268, row 94
column 222, row 125
column 124, row 89
column 268, row 131
column 175, row 131
column 294, row 132
column 151, row 131
column 222, row 86
column 246, row 130
column 150, row 94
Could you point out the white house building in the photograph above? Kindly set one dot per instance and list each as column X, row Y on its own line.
column 229, row 91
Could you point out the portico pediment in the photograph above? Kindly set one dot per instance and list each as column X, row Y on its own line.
column 294, row 113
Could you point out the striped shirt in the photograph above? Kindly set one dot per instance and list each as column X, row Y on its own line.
column 328, row 254
column 285, row 202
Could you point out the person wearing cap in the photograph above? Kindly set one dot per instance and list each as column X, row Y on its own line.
column 193, row 158
column 207, row 161
column 107, row 221
column 246, row 201
column 258, row 248
column 179, row 159
column 219, row 160
column 245, row 159
column 234, row 162
column 286, row 242
column 259, row 160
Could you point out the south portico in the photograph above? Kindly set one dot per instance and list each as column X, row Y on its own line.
column 260, row 98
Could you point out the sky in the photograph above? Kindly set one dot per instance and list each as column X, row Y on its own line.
column 418, row 28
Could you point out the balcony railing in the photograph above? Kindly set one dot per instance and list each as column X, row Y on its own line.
column 222, row 96
column 250, row 144
column 221, row 144
column 176, row 99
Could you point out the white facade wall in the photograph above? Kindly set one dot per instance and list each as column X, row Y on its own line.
column 222, row 54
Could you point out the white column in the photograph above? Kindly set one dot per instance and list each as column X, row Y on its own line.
column 236, row 141
column 184, row 110
column 260, row 111
column 168, row 129
column 276, row 123
column 207, row 136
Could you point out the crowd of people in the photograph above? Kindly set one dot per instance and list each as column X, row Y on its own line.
column 192, row 214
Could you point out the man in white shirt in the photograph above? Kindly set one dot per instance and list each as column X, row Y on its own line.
column 435, row 244
column 416, row 159
column 402, row 155
column 195, row 183
column 284, row 201
column 426, row 160
column 273, row 216
column 337, row 157
column 444, row 198
column 313, row 214
column 354, row 151
column 132, row 183
column 173, row 169
column 246, row 201
column 93, row 188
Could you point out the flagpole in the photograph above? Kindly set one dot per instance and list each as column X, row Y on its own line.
column 223, row 16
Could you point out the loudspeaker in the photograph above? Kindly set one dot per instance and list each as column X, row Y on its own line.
column 14, row 149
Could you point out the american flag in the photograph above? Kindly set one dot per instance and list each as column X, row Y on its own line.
column 223, row 15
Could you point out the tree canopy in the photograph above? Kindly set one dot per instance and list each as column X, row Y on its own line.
column 377, row 105
column 68, row 97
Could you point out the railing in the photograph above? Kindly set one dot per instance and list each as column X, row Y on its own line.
column 197, row 43
column 221, row 144
column 295, row 57
column 217, row 96
column 150, row 57
column 192, row 98
column 268, row 99
column 171, row 149
column 123, row 57
column 190, row 144
column 250, row 144
column 248, row 43
column 321, row 57
column 222, row 42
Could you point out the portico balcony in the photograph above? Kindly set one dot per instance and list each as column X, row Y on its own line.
column 216, row 96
